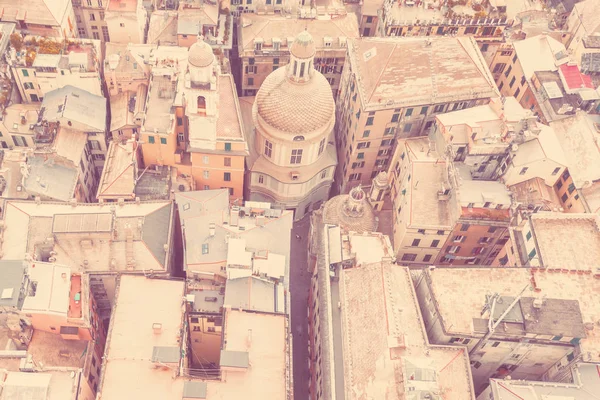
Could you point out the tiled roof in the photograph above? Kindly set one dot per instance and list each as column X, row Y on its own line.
column 295, row 108
column 201, row 54
column 419, row 71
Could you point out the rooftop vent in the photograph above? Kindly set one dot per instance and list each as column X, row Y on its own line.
column 157, row 327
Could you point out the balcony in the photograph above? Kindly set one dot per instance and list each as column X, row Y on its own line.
column 75, row 298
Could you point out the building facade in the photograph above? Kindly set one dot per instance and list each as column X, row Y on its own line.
column 90, row 17
column 126, row 21
column 46, row 18
column 44, row 69
column 379, row 103
column 264, row 43
column 293, row 116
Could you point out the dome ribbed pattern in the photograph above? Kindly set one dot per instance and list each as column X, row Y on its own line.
column 295, row 108
column 336, row 211
column 303, row 46
column 201, row 54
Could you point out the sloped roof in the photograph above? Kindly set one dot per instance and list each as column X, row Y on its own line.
column 119, row 172
column 74, row 104
column 419, row 71
column 155, row 235
column 163, row 28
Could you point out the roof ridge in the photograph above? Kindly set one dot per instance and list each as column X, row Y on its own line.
column 382, row 71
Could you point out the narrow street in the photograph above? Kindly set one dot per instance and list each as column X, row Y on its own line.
column 299, row 286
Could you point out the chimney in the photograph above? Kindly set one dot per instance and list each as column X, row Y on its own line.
column 157, row 328
column 121, row 202
column 211, row 229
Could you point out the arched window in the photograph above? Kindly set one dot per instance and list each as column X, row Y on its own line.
column 298, row 138
column 201, row 105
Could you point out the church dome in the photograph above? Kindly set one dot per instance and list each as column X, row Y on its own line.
column 351, row 211
column 201, row 54
column 295, row 108
column 303, row 46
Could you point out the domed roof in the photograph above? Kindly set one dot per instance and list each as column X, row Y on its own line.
column 295, row 108
column 201, row 54
column 303, row 46
column 351, row 212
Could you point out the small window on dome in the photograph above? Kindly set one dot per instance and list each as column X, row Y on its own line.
column 298, row 138
column 302, row 69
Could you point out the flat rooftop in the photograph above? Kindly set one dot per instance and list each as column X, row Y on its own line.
column 54, row 351
column 467, row 287
column 585, row 387
column 128, row 371
column 52, row 292
column 386, row 353
column 426, row 208
column 582, row 249
column 229, row 123
column 394, row 72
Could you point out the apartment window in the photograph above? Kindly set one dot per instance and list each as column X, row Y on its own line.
column 261, row 179
column 564, row 197
column 484, row 47
column 179, row 121
column 395, row 117
column 383, row 152
column 435, row 243
column 424, row 110
column 407, row 128
column 276, row 61
column 25, row 72
column 92, row 17
column 227, row 161
column 250, row 81
column 387, row 142
column 441, row 232
column 360, row 164
column 499, row 68
column 389, row 131
column 151, row 139
column 94, row 144
column 532, row 254
column 360, row 156
column 251, row 69
column 122, row 25
column 206, row 174
column 512, row 82
column 565, row 175
column 476, row 250
column 528, row 236
column 296, row 157
column 321, row 146
column 507, row 73
column 458, row 238
column 523, row 80
column 427, row 258
column 492, row 229
column 227, row 176
column 409, row 257
column 514, row 59
column 370, row 121
column 206, row 187
column 439, row 108
column 363, row 145
column 163, row 140
column 268, row 148
column 523, row 170
column 452, row 249
column 415, row 242
column 19, row 141
column 501, row 85
column 408, row 112
column 204, row 248
column 366, row 133
column 205, row 160
column 556, row 171
column 227, row 146
column 355, row 177
column 464, row 227
column 369, row 20
column 81, row 32
column 517, row 92
column 180, row 137
column 571, row 188
column 96, row 35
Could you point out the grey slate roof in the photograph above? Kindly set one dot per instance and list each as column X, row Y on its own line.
column 155, row 233
column 237, row 359
column 11, row 278
column 75, row 104
column 50, row 179
column 251, row 293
